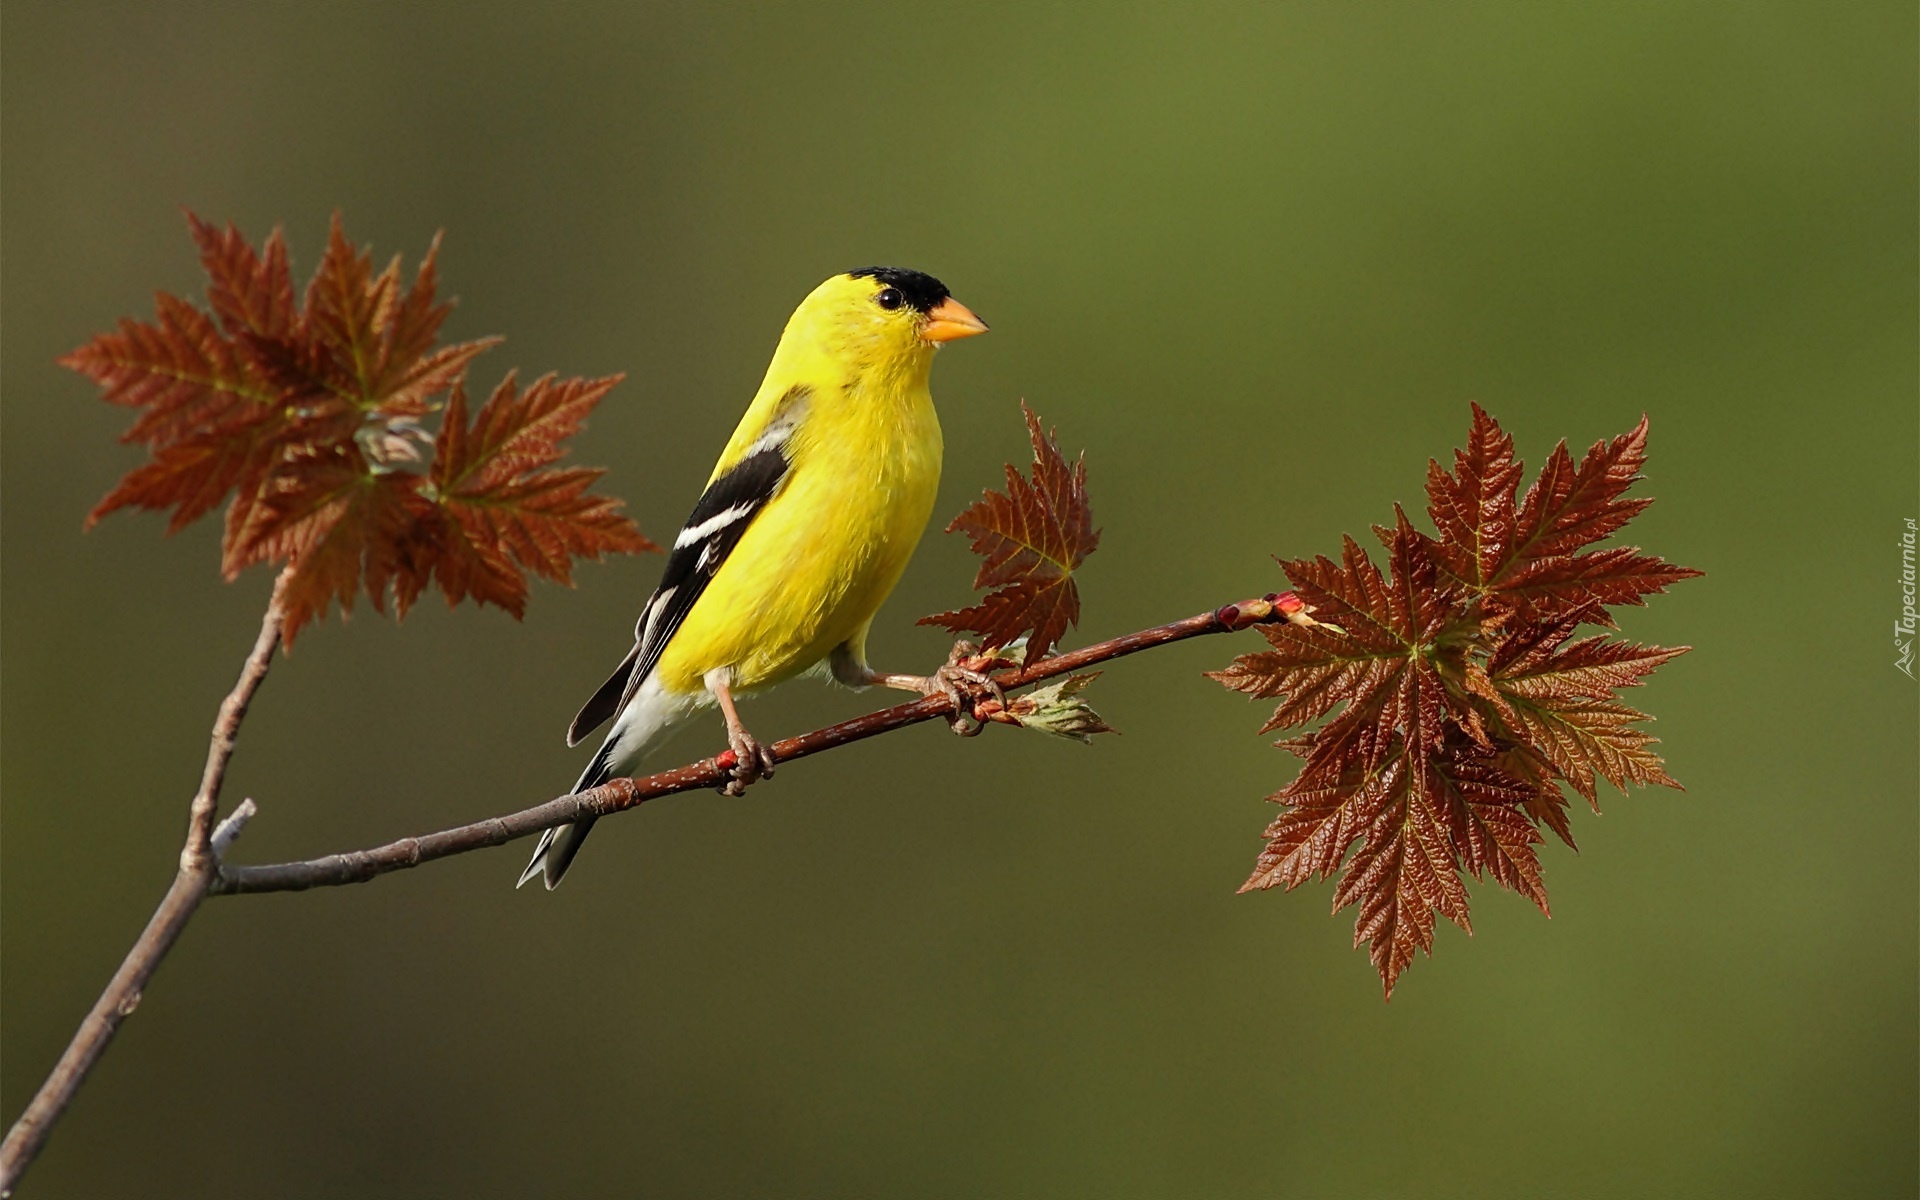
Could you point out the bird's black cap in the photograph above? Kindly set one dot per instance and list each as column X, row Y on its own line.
column 922, row 291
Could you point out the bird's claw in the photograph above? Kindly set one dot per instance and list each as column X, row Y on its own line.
column 751, row 762
column 965, row 686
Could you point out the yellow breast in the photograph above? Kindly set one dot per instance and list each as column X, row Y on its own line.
column 823, row 555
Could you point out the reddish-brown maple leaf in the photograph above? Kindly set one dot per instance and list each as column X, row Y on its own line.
column 1524, row 552
column 1455, row 702
column 1033, row 538
column 502, row 495
column 304, row 419
column 345, row 527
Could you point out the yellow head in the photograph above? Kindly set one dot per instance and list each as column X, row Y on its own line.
column 879, row 324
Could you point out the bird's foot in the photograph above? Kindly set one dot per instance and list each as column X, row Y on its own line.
column 963, row 679
column 751, row 762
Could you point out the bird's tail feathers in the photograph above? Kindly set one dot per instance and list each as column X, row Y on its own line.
column 642, row 726
column 558, row 845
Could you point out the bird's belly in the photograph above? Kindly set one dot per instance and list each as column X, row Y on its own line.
column 809, row 574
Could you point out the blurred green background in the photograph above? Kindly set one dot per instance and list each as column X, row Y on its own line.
column 1256, row 260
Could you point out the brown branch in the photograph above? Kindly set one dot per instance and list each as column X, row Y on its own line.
column 198, row 854
column 198, row 869
column 202, row 874
column 358, row 866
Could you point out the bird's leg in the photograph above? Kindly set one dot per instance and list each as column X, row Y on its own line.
column 954, row 679
column 751, row 760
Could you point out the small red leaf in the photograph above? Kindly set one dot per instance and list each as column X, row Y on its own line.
column 192, row 475
column 250, row 293
column 1033, row 538
column 347, row 528
column 1473, row 507
column 1547, row 587
column 505, row 501
column 346, row 306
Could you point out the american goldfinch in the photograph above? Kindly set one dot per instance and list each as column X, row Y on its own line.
column 805, row 526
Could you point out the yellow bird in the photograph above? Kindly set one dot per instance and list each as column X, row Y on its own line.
column 804, row 528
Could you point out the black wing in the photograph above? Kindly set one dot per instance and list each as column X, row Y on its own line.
column 712, row 531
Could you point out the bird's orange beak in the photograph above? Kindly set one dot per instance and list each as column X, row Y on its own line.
column 949, row 321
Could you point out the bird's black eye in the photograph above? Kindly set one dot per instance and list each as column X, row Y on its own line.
column 889, row 299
